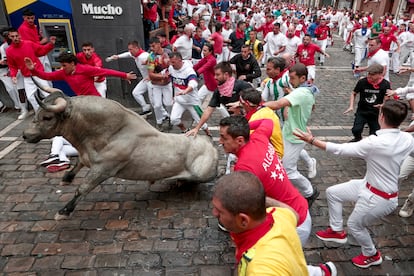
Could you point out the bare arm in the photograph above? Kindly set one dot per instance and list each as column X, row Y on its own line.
column 276, row 105
column 271, row 202
column 351, row 103
column 309, row 138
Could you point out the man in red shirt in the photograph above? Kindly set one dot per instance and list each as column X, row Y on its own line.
column 28, row 31
column 16, row 53
column 306, row 55
column 256, row 154
column 89, row 57
column 322, row 33
column 387, row 37
column 79, row 77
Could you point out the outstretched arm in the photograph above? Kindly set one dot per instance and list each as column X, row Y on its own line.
column 309, row 138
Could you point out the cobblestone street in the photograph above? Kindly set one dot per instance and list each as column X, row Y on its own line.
column 131, row 228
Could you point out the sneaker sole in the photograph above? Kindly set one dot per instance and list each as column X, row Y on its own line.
column 58, row 169
column 341, row 241
column 405, row 214
column 370, row 264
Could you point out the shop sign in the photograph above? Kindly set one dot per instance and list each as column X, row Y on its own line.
column 107, row 12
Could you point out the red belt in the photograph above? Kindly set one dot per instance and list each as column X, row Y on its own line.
column 381, row 193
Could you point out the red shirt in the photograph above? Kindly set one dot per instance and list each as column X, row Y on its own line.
column 218, row 42
column 17, row 52
column 259, row 157
column 306, row 54
column 81, row 81
column 29, row 32
column 386, row 41
column 265, row 28
column 94, row 60
column 206, row 67
column 322, row 32
column 150, row 13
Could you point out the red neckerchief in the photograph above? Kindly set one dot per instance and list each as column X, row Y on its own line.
column 194, row 22
column 239, row 34
column 280, row 75
column 370, row 54
column 140, row 51
column 377, row 84
column 245, row 240
column 196, row 37
column 251, row 112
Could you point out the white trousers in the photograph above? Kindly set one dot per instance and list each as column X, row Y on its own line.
column 322, row 43
column 203, row 92
column 359, row 55
column 290, row 162
column 178, row 110
column 11, row 89
column 368, row 208
column 62, row 147
column 138, row 94
column 305, row 229
column 159, row 95
column 30, row 89
column 101, row 87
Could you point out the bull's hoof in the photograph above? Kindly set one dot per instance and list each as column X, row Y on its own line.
column 60, row 216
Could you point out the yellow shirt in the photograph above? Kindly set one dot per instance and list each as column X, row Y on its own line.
column 279, row 252
column 276, row 139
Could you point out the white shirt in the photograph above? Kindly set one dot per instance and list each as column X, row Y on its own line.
column 292, row 44
column 184, row 46
column 381, row 57
column 360, row 40
column 383, row 154
column 140, row 62
column 274, row 42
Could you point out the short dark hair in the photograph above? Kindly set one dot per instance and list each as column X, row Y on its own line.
column 28, row 12
column 394, row 112
column 225, row 67
column 237, row 126
column 175, row 55
column 252, row 96
column 219, row 26
column 154, row 40
column 277, row 24
column 278, row 62
column 241, row 192
column 300, row 70
column 209, row 46
column 377, row 39
column 67, row 58
column 134, row 43
column 87, row 44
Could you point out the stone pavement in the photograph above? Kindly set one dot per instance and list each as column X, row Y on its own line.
column 130, row 228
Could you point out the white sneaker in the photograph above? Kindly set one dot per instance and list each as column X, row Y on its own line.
column 312, row 169
column 23, row 115
column 407, row 210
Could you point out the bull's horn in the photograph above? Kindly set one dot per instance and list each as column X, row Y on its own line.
column 45, row 88
column 58, row 106
column 39, row 99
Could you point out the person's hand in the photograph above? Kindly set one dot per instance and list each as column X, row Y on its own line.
column 390, row 92
column 52, row 39
column 404, row 70
column 357, row 70
column 302, row 135
column 242, row 77
column 192, row 132
column 131, row 76
column 349, row 110
column 327, row 55
column 29, row 63
column 14, row 80
column 233, row 107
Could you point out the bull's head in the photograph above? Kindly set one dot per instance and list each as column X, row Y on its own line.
column 46, row 123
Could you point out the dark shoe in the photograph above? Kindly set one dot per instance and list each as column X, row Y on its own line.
column 145, row 113
column 58, row 167
column 355, row 140
column 52, row 159
column 313, row 197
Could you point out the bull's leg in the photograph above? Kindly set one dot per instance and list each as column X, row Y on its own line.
column 93, row 180
column 70, row 175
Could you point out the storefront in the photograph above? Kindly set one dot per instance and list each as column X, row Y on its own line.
column 109, row 25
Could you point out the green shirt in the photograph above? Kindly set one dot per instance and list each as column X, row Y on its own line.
column 377, row 27
column 301, row 102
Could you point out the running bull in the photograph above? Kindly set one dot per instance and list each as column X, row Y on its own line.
column 115, row 142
